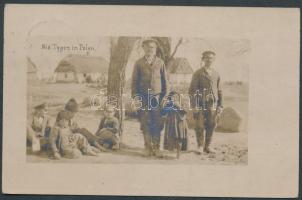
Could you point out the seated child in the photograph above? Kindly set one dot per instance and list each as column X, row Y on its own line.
column 38, row 131
column 176, row 129
column 108, row 130
column 73, row 107
column 66, row 143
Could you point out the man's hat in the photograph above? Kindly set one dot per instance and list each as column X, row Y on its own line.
column 72, row 105
column 208, row 52
column 148, row 40
column 41, row 106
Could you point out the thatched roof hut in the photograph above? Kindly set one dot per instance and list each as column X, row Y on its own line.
column 180, row 71
column 179, row 66
column 76, row 68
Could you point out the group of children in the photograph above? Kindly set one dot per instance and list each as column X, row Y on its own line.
column 65, row 139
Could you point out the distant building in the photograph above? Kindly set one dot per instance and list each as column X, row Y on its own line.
column 81, row 69
column 180, row 71
column 32, row 75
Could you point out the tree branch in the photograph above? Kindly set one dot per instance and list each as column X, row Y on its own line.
column 175, row 50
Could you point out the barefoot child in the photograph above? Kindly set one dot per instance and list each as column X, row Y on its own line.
column 68, row 144
column 175, row 125
column 109, row 129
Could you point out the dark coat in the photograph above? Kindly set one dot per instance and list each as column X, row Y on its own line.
column 209, row 87
column 149, row 76
column 176, row 129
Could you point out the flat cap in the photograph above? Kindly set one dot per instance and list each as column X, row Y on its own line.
column 149, row 40
column 208, row 52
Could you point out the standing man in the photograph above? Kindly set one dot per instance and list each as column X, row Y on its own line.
column 149, row 86
column 206, row 100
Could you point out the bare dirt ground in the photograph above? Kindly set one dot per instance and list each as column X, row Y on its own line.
column 230, row 148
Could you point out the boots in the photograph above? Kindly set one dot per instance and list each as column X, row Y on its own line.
column 156, row 152
column 147, row 144
column 200, row 149
column 200, row 141
column 206, row 148
column 147, row 151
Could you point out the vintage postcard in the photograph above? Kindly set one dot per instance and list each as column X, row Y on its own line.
column 151, row 101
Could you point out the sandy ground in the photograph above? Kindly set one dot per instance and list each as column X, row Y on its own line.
column 230, row 148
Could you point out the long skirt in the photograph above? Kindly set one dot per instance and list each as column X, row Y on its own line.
column 176, row 133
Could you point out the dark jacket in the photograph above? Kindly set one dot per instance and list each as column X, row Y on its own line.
column 149, row 76
column 209, row 87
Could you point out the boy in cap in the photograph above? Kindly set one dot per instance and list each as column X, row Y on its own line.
column 39, row 127
column 68, row 144
column 108, row 130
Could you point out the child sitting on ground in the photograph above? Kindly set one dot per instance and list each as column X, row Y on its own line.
column 108, row 131
column 38, row 131
column 176, row 129
column 68, row 144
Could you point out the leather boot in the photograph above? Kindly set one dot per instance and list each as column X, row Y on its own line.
column 147, row 144
column 157, row 152
column 147, row 151
column 200, row 141
column 206, row 148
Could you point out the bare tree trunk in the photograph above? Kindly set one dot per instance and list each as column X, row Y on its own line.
column 121, row 48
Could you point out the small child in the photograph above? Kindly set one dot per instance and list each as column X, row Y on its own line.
column 68, row 144
column 176, row 129
column 108, row 131
column 39, row 128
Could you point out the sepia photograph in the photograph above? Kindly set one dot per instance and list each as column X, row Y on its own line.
column 137, row 100
column 151, row 100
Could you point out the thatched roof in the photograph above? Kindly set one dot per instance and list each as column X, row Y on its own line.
column 179, row 66
column 31, row 67
column 83, row 64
